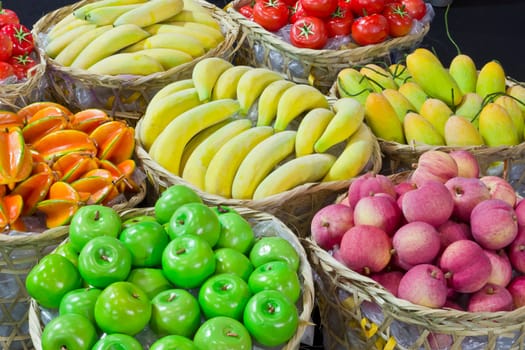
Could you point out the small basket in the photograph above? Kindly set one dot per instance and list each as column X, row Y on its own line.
column 261, row 48
column 123, row 96
column 264, row 224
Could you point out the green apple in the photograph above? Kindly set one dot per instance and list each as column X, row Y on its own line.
column 236, row 231
column 188, row 261
column 276, row 275
column 92, row 221
column 271, row 318
column 172, row 198
column 270, row 248
column 104, row 260
column 66, row 249
column 175, row 311
column 151, row 280
column 229, row 260
column 50, row 279
column 197, row 219
column 136, row 219
column 145, row 240
column 69, row 331
column 117, row 341
column 222, row 333
column 122, row 307
column 224, row 295
column 80, row 301
column 171, row 342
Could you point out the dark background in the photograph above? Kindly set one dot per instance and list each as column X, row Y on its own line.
column 483, row 29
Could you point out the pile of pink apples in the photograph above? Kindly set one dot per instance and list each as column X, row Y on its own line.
column 445, row 236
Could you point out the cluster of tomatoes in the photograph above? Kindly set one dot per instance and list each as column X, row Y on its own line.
column 313, row 22
column 16, row 48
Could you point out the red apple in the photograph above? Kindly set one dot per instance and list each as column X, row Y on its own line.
column 519, row 208
column 389, row 280
column 501, row 273
column 330, row 223
column 493, row 224
column 516, row 288
column 425, row 285
column 416, row 243
column 516, row 251
column 467, row 163
column 431, row 203
column 490, row 298
column 499, row 188
column 467, row 193
column 434, row 165
column 380, row 210
column 368, row 185
column 451, row 231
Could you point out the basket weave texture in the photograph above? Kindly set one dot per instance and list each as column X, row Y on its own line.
column 262, row 48
column 264, row 224
column 123, row 96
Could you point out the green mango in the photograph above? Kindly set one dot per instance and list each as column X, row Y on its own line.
column 399, row 102
column 419, row 130
column 459, row 131
column 470, row 107
column 463, row 69
column 413, row 93
column 399, row 73
column 437, row 113
column 491, row 80
column 379, row 77
column 351, row 83
column 518, row 92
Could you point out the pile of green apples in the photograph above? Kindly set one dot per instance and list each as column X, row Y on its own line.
column 197, row 276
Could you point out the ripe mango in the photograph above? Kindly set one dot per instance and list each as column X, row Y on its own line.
column 351, row 83
column 513, row 109
column 399, row 102
column 414, row 93
column 459, row 131
column 437, row 113
column 496, row 126
column 491, row 79
column 382, row 118
column 518, row 92
column 418, row 130
column 464, row 71
column 399, row 73
column 379, row 77
column 470, row 107
column 428, row 72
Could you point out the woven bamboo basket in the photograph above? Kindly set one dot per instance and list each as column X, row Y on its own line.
column 263, row 224
column 295, row 207
column 262, row 48
column 123, row 96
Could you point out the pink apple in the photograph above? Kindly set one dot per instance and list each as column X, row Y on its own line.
column 380, row 210
column 425, row 285
column 451, row 231
column 365, row 249
column 501, row 273
column 416, row 243
column 499, row 188
column 466, row 266
column 451, row 304
column 493, row 224
column 468, row 165
column 400, row 264
column 520, row 212
column 467, row 193
column 404, row 187
column 491, row 298
column 516, row 251
column 516, row 288
column 434, row 165
column 330, row 223
column 368, row 185
column 389, row 280
column 430, row 202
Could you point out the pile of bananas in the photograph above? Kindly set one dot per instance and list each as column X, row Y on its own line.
column 135, row 37
column 247, row 133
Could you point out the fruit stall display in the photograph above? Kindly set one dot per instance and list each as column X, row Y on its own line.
column 431, row 258
column 179, row 274
column 311, row 40
column 116, row 56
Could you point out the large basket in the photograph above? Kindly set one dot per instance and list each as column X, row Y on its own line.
column 126, row 97
column 263, row 224
column 295, row 207
column 262, row 48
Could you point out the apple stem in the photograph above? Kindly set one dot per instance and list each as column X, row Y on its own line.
column 271, row 308
column 180, row 222
column 231, row 334
column 181, row 251
column 448, row 274
column 366, row 270
column 433, row 273
column 521, row 247
column 172, row 297
column 63, row 347
column 490, row 290
column 105, row 257
column 221, row 209
column 97, row 215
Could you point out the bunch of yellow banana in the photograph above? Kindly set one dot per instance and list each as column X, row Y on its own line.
column 135, row 37
column 424, row 103
column 247, row 133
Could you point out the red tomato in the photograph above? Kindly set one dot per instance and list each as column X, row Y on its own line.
column 21, row 37
column 399, row 21
column 272, row 15
column 8, row 17
column 415, row 8
column 346, row 4
column 297, row 12
column 319, row 8
column 6, row 70
column 309, row 32
column 290, row 3
column 246, row 11
column 21, row 65
column 6, row 47
column 369, row 30
column 367, row 7
column 340, row 22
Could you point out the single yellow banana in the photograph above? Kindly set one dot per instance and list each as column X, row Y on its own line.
column 295, row 101
column 168, row 58
column 208, row 42
column 131, row 63
column 171, row 88
column 310, row 129
column 181, row 42
column 226, row 84
column 161, row 111
column 192, row 5
column 168, row 147
column 195, row 167
column 205, row 74
column 83, row 10
column 260, row 161
column 108, row 14
column 201, row 28
column 194, row 16
column 356, row 155
column 252, row 84
column 71, row 51
column 223, row 166
column 349, row 115
column 63, row 26
column 108, row 43
column 150, row 12
column 55, row 46
column 267, row 106
column 295, row 172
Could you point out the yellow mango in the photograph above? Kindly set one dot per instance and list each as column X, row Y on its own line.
column 399, row 73
column 459, row 131
column 437, row 113
column 464, row 71
column 414, row 93
column 518, row 92
column 420, row 131
column 491, row 79
column 351, row 83
column 496, row 126
column 513, row 109
column 399, row 102
column 382, row 118
column 379, row 77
